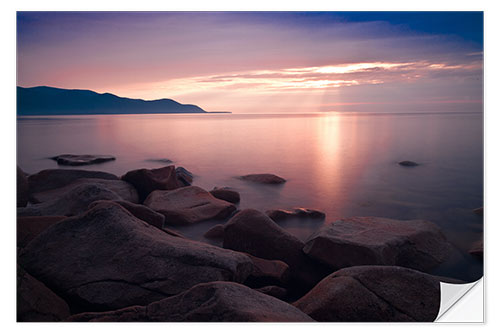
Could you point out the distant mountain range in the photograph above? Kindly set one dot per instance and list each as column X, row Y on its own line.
column 56, row 101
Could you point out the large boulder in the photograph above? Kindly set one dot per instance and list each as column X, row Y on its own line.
column 36, row 302
column 74, row 160
column 140, row 211
column 22, row 188
column 226, row 194
column 207, row 302
column 73, row 202
column 149, row 180
column 122, row 188
column 53, row 178
column 29, row 227
column 263, row 178
column 373, row 293
column 357, row 241
column 255, row 233
column 283, row 214
column 188, row 205
column 108, row 259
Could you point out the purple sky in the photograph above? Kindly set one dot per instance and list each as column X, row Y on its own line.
column 262, row 62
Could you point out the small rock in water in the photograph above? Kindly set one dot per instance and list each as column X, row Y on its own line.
column 74, row 160
column 159, row 160
column 281, row 214
column 263, row 178
column 408, row 163
column 226, row 194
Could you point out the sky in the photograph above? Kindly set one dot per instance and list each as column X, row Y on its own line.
column 262, row 62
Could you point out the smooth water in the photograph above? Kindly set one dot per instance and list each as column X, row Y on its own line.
column 342, row 164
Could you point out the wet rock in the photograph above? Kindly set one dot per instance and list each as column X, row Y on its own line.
column 36, row 302
column 267, row 272
column 216, row 232
column 207, row 302
column 149, row 180
column 373, row 293
column 477, row 249
column 72, row 203
column 123, row 189
column 75, row 160
column 416, row 244
column 108, row 259
column 22, row 188
column 253, row 232
column 53, row 178
column 282, row 214
column 274, row 291
column 31, row 226
column 188, row 205
column 263, row 178
column 478, row 211
column 184, row 177
column 226, row 194
column 140, row 211
column 408, row 163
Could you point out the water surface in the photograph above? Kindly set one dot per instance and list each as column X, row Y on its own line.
column 342, row 164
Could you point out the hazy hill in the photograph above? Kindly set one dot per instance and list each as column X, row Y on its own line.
column 55, row 101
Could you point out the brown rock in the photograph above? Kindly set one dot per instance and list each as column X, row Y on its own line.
column 107, row 259
column 263, row 178
column 357, row 241
column 124, row 190
column 266, row 272
column 184, row 177
column 74, row 160
column 216, row 232
column 207, row 302
column 31, row 226
column 149, row 180
column 53, row 178
column 282, row 214
column 140, row 211
column 36, row 302
column 226, row 194
column 274, row 291
column 253, row 232
column 22, row 188
column 188, row 205
column 373, row 293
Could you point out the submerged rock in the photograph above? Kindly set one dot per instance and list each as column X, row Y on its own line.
column 108, row 259
column 36, row 302
column 226, row 194
column 22, row 188
column 408, row 163
column 31, row 226
column 149, row 180
column 253, row 232
column 53, row 178
column 73, row 202
column 263, row 178
column 282, row 214
column 417, row 244
column 373, row 293
column 188, row 205
column 74, row 160
column 123, row 189
column 207, row 302
column 140, row 211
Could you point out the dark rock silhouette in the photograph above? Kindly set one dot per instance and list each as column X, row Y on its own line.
column 207, row 302
column 53, row 178
column 274, row 291
column 416, row 244
column 226, row 194
column 408, row 163
column 216, row 232
column 75, row 160
column 55, row 101
column 29, row 227
column 282, row 214
column 373, row 293
column 149, row 180
column 263, row 178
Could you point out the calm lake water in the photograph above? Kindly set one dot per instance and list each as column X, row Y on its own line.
column 343, row 164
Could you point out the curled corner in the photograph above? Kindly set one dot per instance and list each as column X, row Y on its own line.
column 461, row 302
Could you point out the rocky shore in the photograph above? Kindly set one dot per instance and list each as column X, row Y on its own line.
column 93, row 246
